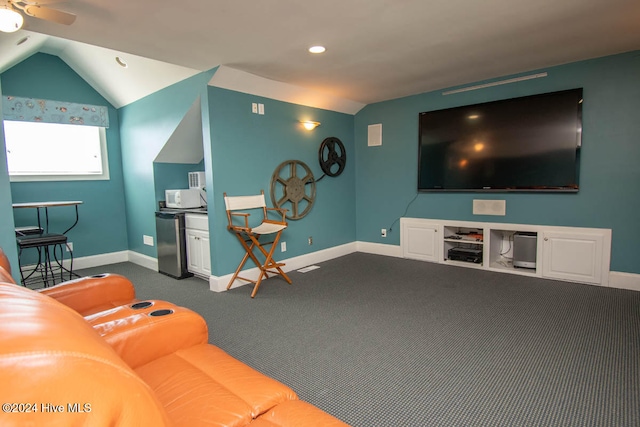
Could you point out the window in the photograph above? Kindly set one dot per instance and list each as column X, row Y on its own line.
column 55, row 152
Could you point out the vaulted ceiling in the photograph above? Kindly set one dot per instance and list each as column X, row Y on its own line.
column 376, row 49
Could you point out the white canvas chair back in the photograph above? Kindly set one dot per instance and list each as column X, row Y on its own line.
column 244, row 202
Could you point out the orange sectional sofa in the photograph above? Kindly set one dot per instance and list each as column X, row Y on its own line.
column 136, row 363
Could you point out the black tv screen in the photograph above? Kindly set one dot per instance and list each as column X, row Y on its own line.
column 530, row 143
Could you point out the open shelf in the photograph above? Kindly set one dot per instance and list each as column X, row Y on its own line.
column 501, row 251
column 466, row 242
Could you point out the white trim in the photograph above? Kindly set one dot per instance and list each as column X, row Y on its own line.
column 143, row 260
column 622, row 280
column 91, row 260
column 99, row 260
column 617, row 279
column 114, row 258
column 380, row 249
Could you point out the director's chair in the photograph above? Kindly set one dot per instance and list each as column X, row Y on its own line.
column 249, row 236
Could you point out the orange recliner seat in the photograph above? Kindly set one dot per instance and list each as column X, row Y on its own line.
column 56, row 371
column 86, row 295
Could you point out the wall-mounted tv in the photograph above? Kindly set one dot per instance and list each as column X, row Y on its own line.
column 530, row 143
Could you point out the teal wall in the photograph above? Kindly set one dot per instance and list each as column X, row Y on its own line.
column 246, row 150
column 101, row 228
column 243, row 149
column 7, row 235
column 145, row 126
column 609, row 196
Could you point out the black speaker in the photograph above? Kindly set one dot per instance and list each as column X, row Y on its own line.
column 524, row 249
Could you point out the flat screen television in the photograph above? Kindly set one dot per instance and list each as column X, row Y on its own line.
column 529, row 143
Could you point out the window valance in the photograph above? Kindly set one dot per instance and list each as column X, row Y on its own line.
column 41, row 110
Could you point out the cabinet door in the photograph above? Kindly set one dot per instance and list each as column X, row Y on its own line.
column 420, row 240
column 194, row 251
column 571, row 256
column 205, row 250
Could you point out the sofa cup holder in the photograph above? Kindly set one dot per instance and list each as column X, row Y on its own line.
column 141, row 304
column 163, row 312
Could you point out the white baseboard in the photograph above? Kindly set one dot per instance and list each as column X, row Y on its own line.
column 91, row 260
column 380, row 249
column 219, row 283
column 143, row 260
column 622, row 280
column 112, row 258
column 617, row 279
column 98, row 260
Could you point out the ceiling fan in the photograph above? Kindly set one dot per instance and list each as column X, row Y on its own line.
column 11, row 19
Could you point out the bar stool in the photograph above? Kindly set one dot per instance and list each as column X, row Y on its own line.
column 45, row 244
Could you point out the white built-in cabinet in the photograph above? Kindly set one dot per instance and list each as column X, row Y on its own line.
column 573, row 256
column 198, row 248
column 564, row 253
column 421, row 240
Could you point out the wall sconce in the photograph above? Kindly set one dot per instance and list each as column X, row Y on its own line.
column 309, row 125
column 10, row 20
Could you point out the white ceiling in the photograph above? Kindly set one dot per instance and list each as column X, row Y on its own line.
column 376, row 49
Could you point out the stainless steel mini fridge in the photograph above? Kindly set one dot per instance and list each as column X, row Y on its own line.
column 172, row 250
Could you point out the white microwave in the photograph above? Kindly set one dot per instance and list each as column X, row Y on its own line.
column 183, row 199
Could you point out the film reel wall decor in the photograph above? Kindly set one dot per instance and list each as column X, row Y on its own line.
column 293, row 186
column 332, row 156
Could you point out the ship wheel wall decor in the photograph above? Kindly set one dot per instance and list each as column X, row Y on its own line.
column 293, row 188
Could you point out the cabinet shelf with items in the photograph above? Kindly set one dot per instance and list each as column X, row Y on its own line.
column 514, row 250
column 463, row 244
column 566, row 253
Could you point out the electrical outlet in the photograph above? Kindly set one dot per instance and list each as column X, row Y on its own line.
column 261, row 109
column 69, row 246
column 254, row 108
column 383, row 232
column 283, row 246
column 147, row 240
column 310, row 240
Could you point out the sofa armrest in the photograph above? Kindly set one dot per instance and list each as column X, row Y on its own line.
column 91, row 294
column 151, row 333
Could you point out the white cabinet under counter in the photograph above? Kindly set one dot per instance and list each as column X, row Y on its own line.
column 198, row 249
column 572, row 254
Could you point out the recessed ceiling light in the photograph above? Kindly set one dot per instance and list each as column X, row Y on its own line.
column 121, row 62
column 317, row 49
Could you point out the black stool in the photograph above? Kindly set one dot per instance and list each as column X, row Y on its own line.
column 47, row 269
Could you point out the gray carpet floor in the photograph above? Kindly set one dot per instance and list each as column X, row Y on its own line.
column 381, row 341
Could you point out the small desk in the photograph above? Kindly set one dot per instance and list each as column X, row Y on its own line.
column 42, row 239
column 46, row 206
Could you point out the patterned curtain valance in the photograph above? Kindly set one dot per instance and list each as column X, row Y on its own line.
column 41, row 110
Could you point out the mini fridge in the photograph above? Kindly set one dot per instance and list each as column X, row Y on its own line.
column 172, row 248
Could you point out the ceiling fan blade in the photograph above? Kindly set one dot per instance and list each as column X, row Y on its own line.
column 47, row 14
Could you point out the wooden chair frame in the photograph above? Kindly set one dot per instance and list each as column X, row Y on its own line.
column 249, row 236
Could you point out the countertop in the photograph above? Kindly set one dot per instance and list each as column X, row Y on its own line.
column 201, row 211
